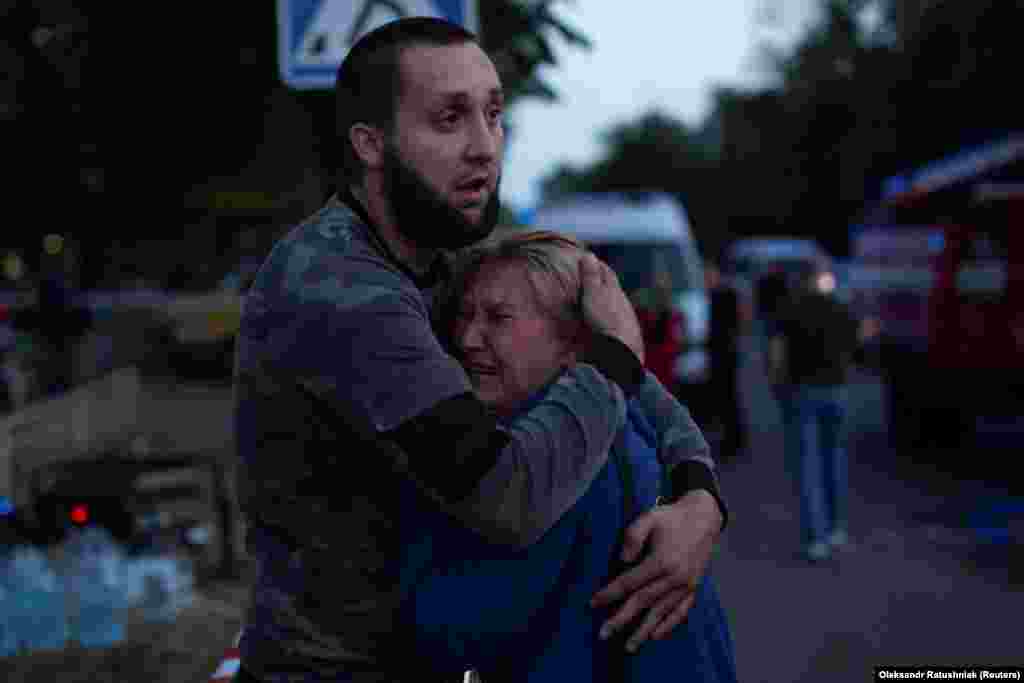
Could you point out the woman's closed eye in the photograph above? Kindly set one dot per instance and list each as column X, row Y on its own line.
column 490, row 316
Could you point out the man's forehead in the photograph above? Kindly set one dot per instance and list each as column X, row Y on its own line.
column 446, row 71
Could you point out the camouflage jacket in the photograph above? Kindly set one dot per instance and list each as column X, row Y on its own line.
column 335, row 352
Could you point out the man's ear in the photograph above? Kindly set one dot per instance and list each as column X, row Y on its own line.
column 368, row 143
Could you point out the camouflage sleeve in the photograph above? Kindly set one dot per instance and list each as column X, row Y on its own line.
column 366, row 349
column 554, row 452
column 363, row 334
column 682, row 448
column 679, row 437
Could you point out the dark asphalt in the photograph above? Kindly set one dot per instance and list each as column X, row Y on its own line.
column 915, row 587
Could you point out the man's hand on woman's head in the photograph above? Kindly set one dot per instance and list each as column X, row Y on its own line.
column 657, row 593
column 606, row 308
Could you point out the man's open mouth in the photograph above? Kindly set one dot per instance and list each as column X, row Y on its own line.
column 472, row 186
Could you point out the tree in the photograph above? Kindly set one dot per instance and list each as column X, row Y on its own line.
column 517, row 35
column 928, row 78
column 872, row 88
column 114, row 121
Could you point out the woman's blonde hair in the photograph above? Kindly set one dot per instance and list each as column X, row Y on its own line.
column 552, row 265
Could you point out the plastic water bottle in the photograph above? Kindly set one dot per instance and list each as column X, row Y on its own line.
column 8, row 643
column 92, row 562
column 32, row 609
column 157, row 582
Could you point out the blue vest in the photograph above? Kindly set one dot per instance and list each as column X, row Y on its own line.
column 523, row 615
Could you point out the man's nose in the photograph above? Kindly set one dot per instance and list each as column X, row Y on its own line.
column 485, row 139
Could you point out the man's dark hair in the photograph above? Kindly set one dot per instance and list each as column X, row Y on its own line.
column 369, row 79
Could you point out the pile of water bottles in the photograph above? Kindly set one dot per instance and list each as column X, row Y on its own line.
column 84, row 591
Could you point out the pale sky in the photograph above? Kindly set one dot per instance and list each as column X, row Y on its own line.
column 666, row 54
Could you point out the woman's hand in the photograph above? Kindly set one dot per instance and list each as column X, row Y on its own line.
column 661, row 589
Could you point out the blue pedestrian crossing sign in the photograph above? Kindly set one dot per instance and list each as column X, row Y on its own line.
column 313, row 36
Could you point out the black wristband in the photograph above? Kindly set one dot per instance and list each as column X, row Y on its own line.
column 691, row 476
column 616, row 361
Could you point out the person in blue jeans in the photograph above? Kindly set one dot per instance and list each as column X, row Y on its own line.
column 525, row 614
column 810, row 354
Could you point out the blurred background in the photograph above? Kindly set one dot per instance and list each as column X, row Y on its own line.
column 153, row 158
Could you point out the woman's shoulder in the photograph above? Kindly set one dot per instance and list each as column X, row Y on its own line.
column 638, row 422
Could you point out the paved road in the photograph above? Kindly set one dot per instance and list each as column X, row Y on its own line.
column 915, row 587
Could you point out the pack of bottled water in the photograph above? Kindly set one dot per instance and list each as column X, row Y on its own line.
column 83, row 592
column 158, row 584
column 153, row 583
column 89, row 562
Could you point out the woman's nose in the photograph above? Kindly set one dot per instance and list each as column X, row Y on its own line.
column 470, row 335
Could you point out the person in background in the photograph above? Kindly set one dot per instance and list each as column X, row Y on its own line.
column 727, row 327
column 55, row 330
column 8, row 342
column 810, row 351
column 662, row 325
column 771, row 292
column 57, row 322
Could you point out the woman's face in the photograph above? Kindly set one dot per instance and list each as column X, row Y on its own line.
column 508, row 344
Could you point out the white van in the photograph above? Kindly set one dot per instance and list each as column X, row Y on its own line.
column 638, row 234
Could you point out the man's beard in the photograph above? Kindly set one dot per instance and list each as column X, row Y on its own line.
column 423, row 217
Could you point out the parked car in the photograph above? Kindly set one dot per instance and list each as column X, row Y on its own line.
column 646, row 238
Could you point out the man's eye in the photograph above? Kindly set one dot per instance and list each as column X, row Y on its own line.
column 449, row 119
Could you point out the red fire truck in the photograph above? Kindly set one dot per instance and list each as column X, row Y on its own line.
column 939, row 263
